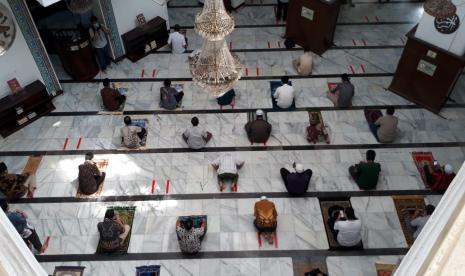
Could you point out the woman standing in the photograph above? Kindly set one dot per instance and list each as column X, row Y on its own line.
column 99, row 41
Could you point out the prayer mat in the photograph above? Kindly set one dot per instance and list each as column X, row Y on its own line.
column 273, row 86
column 325, row 204
column 372, row 115
column 316, row 131
column 304, row 264
column 405, row 207
column 421, row 159
column 31, row 168
column 332, row 85
column 384, row 269
column 102, row 165
column 148, row 270
column 126, row 215
column 68, row 271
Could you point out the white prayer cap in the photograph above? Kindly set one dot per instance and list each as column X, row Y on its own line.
column 259, row 112
column 299, row 168
column 263, row 198
column 448, row 169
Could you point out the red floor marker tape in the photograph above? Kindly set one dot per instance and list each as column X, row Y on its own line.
column 79, row 143
column 366, row 18
column 153, row 186
column 258, row 71
column 279, row 44
column 269, row 45
column 352, row 69
column 154, row 72
column 142, row 73
column 45, row 245
column 168, row 185
column 30, row 194
column 353, row 42
column 259, row 238
column 376, row 18
column 275, row 238
column 363, row 68
column 230, row 45
column 66, row 143
column 246, row 71
column 364, row 42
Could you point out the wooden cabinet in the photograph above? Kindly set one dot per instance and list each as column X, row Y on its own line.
column 23, row 108
column 153, row 34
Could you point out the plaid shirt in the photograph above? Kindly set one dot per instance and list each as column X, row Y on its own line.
column 227, row 164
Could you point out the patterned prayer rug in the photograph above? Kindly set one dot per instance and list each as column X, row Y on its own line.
column 102, row 164
column 421, row 159
column 273, row 86
column 372, row 115
column 332, row 85
column 306, row 264
column 405, row 207
column 32, row 165
column 69, row 271
column 384, row 269
column 126, row 215
column 325, row 205
column 148, row 270
column 317, row 131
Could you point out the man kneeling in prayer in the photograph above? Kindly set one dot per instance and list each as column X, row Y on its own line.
column 112, row 231
column 190, row 237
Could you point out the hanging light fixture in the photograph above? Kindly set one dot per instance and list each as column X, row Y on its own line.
column 440, row 8
column 213, row 67
column 79, row 6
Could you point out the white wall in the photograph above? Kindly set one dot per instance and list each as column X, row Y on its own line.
column 454, row 42
column 126, row 11
column 17, row 63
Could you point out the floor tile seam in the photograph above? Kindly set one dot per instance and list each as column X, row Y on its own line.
column 239, row 149
column 221, row 255
column 242, row 110
column 231, row 196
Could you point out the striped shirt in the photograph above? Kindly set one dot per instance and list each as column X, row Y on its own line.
column 227, row 164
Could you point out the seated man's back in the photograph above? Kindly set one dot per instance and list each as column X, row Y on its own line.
column 110, row 98
column 196, row 137
column 346, row 93
column 298, row 182
column 130, row 138
column 258, row 131
column 369, row 173
column 87, row 173
column 190, row 241
column 350, row 232
column 109, row 234
column 387, row 128
column 168, row 99
column 284, row 96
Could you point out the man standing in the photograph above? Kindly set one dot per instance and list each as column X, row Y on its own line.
column 342, row 95
column 170, row 98
column 366, row 173
column 195, row 136
column 90, row 177
column 258, row 130
column 99, row 41
column 227, row 167
column 177, row 41
column 111, row 98
column 281, row 11
column 284, row 95
column 296, row 182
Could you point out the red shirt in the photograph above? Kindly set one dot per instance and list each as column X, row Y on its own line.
column 110, row 98
column 441, row 181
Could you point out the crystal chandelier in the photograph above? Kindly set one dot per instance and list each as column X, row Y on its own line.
column 79, row 6
column 440, row 8
column 213, row 67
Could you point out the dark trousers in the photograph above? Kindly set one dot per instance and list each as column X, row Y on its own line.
column 284, row 173
column 34, row 240
column 142, row 134
column 374, row 130
column 99, row 179
column 103, row 57
column 333, row 214
column 428, row 175
column 281, row 10
column 179, row 96
column 228, row 176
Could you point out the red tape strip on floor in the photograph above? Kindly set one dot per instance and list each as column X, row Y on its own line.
column 275, row 238
column 352, row 69
column 168, row 185
column 154, row 72
column 230, row 45
column 259, row 238
column 45, row 245
column 279, row 44
column 376, row 18
column 269, row 45
column 66, row 144
column 364, row 42
column 366, row 18
column 258, row 71
column 142, row 73
column 79, row 143
column 246, row 71
column 353, row 42
column 153, row 186
column 363, row 68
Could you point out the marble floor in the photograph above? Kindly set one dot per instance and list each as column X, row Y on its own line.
column 368, row 42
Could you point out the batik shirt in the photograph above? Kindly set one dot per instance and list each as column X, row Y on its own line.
column 12, row 185
column 87, row 173
column 189, row 241
column 130, row 138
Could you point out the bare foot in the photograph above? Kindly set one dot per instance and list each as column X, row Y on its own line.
column 234, row 187
column 221, row 187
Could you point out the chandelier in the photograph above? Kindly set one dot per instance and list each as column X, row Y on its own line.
column 213, row 67
column 440, row 8
column 79, row 6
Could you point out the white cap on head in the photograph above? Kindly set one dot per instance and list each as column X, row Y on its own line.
column 299, row 168
column 263, row 198
column 448, row 169
column 259, row 112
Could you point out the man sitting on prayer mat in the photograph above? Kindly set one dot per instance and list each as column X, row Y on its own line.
column 342, row 95
column 296, row 182
column 170, row 98
column 132, row 136
column 189, row 237
column 111, row 97
column 284, row 95
column 439, row 178
column 195, row 136
column 258, row 130
column 112, row 231
column 366, row 173
column 90, row 177
column 346, row 227
column 27, row 232
column 15, row 186
column 385, row 128
column 419, row 219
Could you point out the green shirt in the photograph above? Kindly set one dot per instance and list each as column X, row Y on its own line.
column 368, row 175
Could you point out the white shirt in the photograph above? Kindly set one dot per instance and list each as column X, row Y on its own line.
column 196, row 137
column 284, row 96
column 100, row 40
column 419, row 223
column 178, row 42
column 227, row 164
column 350, row 232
